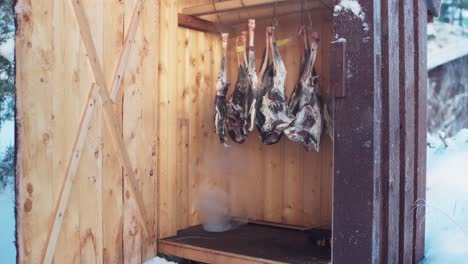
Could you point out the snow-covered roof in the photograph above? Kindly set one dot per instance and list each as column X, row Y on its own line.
column 445, row 43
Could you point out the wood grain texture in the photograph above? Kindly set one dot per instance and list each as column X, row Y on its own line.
column 67, row 111
column 35, row 139
column 112, row 169
column 92, row 228
column 420, row 61
column 208, row 255
column 326, row 148
column 407, row 129
column 147, row 67
column 356, row 149
column 390, row 133
column 90, row 174
column 195, row 23
column 167, row 74
column 183, row 131
column 111, row 121
column 195, row 44
column 134, row 136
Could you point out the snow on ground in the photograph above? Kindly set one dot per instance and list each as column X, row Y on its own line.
column 447, row 200
column 445, row 42
column 7, row 226
column 158, row 260
column 7, row 202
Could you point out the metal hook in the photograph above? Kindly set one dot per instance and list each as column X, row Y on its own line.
column 244, row 7
column 310, row 19
column 302, row 12
column 274, row 21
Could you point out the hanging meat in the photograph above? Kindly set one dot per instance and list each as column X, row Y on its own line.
column 253, row 78
column 307, row 127
column 295, row 98
column 275, row 116
column 222, row 86
column 238, row 105
column 265, row 84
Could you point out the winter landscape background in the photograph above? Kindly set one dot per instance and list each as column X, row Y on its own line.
column 447, row 151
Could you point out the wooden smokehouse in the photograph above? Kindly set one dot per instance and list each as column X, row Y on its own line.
column 115, row 135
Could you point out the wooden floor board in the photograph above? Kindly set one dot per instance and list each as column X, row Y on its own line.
column 251, row 243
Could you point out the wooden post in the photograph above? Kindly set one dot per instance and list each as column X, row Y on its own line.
column 420, row 25
column 390, row 132
column 407, row 129
column 382, row 124
column 357, row 140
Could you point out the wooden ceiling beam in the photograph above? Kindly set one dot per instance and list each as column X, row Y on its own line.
column 264, row 13
column 199, row 24
column 226, row 6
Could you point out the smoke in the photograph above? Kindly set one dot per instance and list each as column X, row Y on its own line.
column 213, row 207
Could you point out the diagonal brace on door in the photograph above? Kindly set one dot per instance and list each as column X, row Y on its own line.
column 98, row 88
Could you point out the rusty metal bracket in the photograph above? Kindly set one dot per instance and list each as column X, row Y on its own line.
column 338, row 69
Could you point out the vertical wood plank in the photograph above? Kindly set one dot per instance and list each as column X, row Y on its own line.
column 167, row 126
column 183, row 131
column 356, row 183
column 134, row 135
column 407, row 129
column 273, row 190
column 312, row 189
column 89, row 178
column 35, row 140
column 390, row 132
column 326, row 147
column 191, row 71
column 148, row 66
column 196, row 48
column 292, row 184
column 420, row 28
column 66, row 113
column 327, row 181
column 112, row 188
column 66, row 110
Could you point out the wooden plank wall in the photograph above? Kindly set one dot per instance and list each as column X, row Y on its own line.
column 280, row 183
column 53, row 83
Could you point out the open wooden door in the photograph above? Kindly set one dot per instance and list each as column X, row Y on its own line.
column 86, row 187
